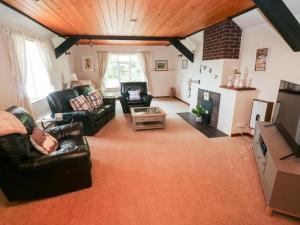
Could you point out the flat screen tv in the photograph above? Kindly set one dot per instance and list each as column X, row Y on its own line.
column 286, row 115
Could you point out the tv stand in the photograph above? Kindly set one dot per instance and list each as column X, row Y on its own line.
column 280, row 178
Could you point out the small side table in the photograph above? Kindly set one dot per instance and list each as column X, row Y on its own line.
column 46, row 121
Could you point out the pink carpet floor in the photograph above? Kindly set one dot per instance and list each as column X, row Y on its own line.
column 175, row 176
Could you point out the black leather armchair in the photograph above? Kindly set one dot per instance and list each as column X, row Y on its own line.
column 59, row 102
column 26, row 174
column 145, row 100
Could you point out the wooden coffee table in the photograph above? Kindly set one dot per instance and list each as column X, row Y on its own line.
column 145, row 118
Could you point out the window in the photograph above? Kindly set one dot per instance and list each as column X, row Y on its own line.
column 38, row 84
column 123, row 68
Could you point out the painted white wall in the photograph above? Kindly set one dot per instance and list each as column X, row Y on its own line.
column 195, row 43
column 283, row 63
column 161, row 81
column 62, row 65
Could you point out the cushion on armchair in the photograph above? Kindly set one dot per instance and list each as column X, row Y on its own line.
column 43, row 142
column 134, row 95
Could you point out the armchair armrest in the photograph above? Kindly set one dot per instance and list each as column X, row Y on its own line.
column 55, row 159
column 147, row 99
column 75, row 116
column 73, row 129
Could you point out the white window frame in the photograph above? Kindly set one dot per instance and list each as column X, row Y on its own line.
column 129, row 63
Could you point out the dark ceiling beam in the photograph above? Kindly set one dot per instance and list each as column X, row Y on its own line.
column 184, row 50
column 71, row 40
column 283, row 20
column 63, row 47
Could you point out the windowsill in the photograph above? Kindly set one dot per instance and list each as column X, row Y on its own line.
column 112, row 89
column 37, row 100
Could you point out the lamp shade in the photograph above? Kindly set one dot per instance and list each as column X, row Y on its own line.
column 74, row 77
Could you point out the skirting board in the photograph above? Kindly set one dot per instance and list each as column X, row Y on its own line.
column 239, row 134
column 181, row 100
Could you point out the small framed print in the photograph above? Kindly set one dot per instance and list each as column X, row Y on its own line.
column 261, row 60
column 184, row 64
column 87, row 64
column 161, row 65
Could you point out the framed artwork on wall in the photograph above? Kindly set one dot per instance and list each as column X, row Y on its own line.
column 261, row 60
column 184, row 64
column 161, row 65
column 87, row 64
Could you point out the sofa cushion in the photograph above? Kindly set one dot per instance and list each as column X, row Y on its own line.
column 80, row 103
column 71, row 141
column 95, row 99
column 43, row 142
column 99, row 112
column 135, row 102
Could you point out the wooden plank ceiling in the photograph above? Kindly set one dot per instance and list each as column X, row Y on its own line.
column 172, row 18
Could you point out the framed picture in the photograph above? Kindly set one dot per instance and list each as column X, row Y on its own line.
column 262, row 55
column 161, row 65
column 87, row 64
column 184, row 64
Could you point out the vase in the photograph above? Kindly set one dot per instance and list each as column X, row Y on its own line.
column 198, row 119
column 241, row 84
column 230, row 81
column 237, row 81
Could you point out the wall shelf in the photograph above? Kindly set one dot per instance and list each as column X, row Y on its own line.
column 237, row 89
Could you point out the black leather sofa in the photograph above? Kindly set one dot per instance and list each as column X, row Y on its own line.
column 26, row 174
column 94, row 120
column 145, row 100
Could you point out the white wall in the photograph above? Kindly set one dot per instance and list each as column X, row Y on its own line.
column 62, row 65
column 283, row 63
column 193, row 43
column 161, row 81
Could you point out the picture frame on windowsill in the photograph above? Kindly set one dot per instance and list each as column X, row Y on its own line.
column 161, row 65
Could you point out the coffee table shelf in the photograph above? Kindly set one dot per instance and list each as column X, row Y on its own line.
column 145, row 118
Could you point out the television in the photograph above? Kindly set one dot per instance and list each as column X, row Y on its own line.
column 286, row 116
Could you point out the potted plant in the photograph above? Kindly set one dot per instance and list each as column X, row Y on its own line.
column 198, row 111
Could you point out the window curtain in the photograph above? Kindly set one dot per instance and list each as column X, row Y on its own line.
column 144, row 58
column 17, row 54
column 103, row 60
column 46, row 51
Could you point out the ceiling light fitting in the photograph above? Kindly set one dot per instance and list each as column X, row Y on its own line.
column 91, row 43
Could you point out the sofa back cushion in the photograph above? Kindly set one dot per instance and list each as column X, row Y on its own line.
column 83, row 90
column 59, row 101
column 131, row 86
column 24, row 117
column 16, row 147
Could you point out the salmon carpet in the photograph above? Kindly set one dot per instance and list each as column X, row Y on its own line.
column 175, row 176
